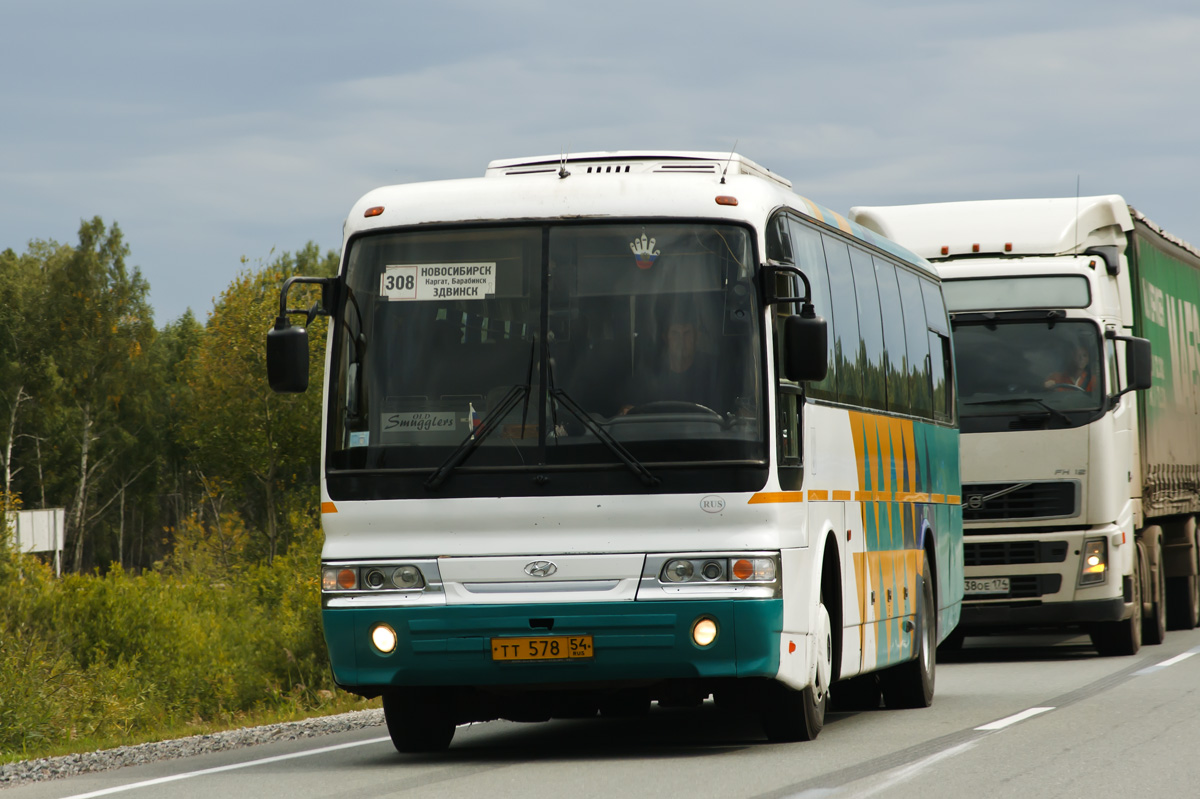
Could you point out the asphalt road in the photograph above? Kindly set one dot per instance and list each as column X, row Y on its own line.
column 1028, row 716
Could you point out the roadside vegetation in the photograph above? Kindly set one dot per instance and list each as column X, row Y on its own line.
column 189, row 599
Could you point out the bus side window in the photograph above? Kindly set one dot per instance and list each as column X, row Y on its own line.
column 809, row 255
column 870, row 326
column 847, row 351
column 940, row 363
column 915, row 329
column 895, row 348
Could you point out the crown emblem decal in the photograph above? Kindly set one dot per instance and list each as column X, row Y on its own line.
column 643, row 251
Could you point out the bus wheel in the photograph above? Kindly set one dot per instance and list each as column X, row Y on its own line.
column 418, row 720
column 1154, row 629
column 1123, row 637
column 911, row 684
column 790, row 715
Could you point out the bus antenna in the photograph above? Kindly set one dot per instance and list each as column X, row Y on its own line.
column 728, row 161
column 562, row 163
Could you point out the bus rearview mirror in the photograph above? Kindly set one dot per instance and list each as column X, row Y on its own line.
column 287, row 357
column 805, row 347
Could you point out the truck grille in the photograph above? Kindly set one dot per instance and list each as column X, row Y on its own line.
column 1001, row 553
column 996, row 501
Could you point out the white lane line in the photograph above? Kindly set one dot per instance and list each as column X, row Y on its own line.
column 202, row 772
column 905, row 773
column 1170, row 662
column 1000, row 724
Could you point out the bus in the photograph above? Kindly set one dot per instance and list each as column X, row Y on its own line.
column 625, row 428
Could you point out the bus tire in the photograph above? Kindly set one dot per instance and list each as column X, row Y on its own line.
column 910, row 685
column 791, row 715
column 1115, row 638
column 418, row 720
column 1154, row 627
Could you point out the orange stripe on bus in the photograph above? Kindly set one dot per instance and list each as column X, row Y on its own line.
column 843, row 495
column 328, row 507
column 764, row 497
column 815, row 496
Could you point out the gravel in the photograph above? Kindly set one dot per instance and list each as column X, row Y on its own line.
column 49, row 768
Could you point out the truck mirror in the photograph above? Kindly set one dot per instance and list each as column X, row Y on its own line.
column 287, row 357
column 805, row 347
column 1138, row 366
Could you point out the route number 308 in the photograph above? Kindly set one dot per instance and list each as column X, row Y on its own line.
column 394, row 282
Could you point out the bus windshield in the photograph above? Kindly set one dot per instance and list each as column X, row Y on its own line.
column 1025, row 369
column 544, row 346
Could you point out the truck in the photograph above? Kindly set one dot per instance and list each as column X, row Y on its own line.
column 1077, row 338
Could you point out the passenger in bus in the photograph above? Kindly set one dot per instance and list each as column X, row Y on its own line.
column 1076, row 373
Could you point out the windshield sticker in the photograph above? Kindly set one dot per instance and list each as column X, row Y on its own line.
column 423, row 282
column 643, row 251
column 419, row 422
column 360, row 438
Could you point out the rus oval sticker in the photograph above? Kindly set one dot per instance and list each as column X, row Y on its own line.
column 712, row 504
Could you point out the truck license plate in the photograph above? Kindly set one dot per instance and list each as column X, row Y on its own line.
column 543, row 647
column 984, row 586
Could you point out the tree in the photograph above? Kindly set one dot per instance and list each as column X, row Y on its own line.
column 95, row 352
column 244, row 438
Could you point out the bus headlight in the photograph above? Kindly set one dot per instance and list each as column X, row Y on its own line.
column 679, row 571
column 1094, row 566
column 704, row 631
column 384, row 638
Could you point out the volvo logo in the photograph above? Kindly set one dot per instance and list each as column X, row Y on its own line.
column 540, row 568
column 974, row 501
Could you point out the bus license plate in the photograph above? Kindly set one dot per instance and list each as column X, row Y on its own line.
column 543, row 647
column 984, row 586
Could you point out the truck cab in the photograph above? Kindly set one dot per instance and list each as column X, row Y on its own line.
column 1041, row 295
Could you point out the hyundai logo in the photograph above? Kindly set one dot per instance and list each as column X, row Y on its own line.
column 540, row 568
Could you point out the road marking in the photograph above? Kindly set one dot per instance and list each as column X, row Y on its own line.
column 1170, row 662
column 218, row 769
column 905, row 773
column 1000, row 724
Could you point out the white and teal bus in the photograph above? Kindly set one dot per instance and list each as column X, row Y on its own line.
column 624, row 428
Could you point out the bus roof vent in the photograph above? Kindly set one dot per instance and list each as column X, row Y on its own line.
column 635, row 163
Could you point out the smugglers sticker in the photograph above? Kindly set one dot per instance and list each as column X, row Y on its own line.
column 424, row 282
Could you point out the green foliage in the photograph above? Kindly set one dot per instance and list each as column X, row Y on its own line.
column 124, row 654
column 191, row 492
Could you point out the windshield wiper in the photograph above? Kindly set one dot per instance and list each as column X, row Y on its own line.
column 1054, row 412
column 477, row 435
column 637, row 467
column 488, row 424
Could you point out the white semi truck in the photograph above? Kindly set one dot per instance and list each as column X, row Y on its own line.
column 1077, row 341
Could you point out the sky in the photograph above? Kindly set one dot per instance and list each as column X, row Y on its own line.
column 219, row 135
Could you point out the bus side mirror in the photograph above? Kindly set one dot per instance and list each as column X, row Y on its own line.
column 805, row 347
column 1138, row 364
column 287, row 357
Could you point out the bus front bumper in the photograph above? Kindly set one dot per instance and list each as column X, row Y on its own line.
column 632, row 642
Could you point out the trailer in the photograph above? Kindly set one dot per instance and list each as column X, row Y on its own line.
column 1077, row 340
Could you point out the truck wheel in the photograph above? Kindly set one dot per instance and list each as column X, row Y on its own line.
column 1154, row 628
column 911, row 684
column 418, row 721
column 1122, row 637
column 790, row 715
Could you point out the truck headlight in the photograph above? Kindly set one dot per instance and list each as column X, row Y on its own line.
column 1093, row 569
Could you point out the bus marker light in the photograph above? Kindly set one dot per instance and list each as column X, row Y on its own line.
column 376, row 211
column 704, row 631
column 347, row 579
column 384, row 638
column 725, row 199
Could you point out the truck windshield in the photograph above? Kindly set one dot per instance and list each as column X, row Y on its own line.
column 573, row 345
column 1050, row 371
